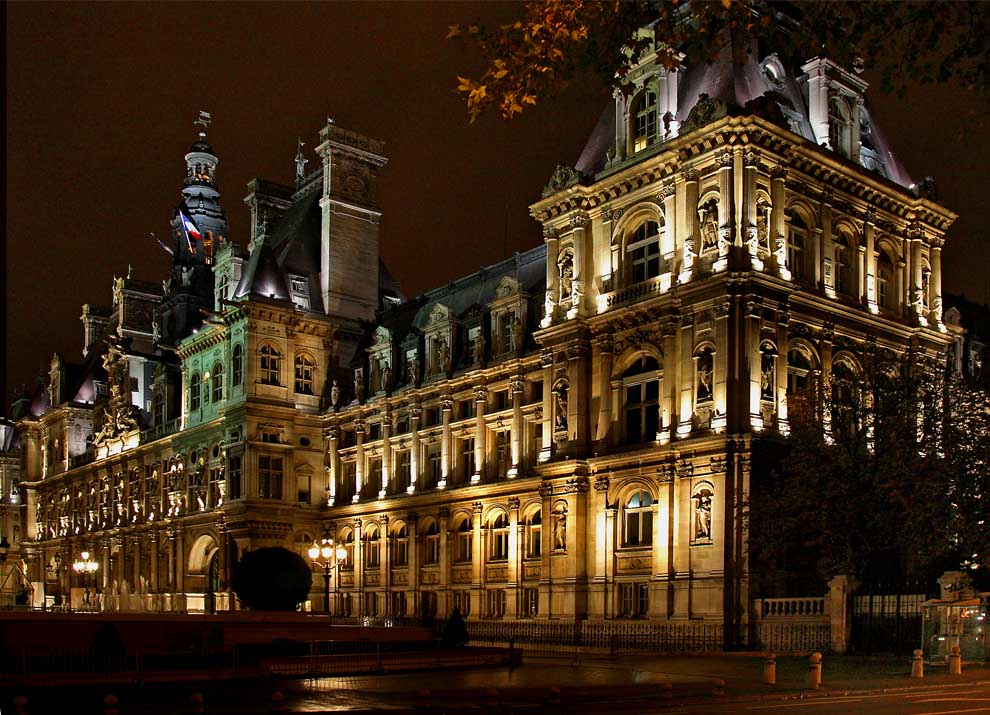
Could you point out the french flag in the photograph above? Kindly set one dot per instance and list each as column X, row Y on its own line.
column 189, row 226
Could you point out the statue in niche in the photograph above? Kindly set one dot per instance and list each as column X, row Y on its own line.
column 560, row 408
column 516, row 331
column 689, row 255
column 566, row 269
column 560, row 530
column 479, row 348
column 706, row 373
column 334, row 394
column 549, row 304
column 767, row 364
column 359, row 385
column 703, row 514
column 763, row 223
column 443, row 357
column 386, row 375
column 708, row 220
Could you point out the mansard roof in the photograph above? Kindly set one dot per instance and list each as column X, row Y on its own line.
column 746, row 88
column 263, row 276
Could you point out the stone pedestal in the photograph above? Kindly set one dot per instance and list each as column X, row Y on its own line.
column 838, row 605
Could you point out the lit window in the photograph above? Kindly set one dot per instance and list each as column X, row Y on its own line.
column 238, row 365
column 841, row 268
column 885, row 275
column 270, row 365
column 464, row 537
column 798, row 371
column 194, row 392
column 467, row 458
column 534, row 527
column 270, row 477
column 840, row 127
column 432, row 555
column 645, row 113
column 644, row 252
column 305, row 367
column 796, row 242
column 372, row 555
column 642, row 389
column 400, row 555
column 635, row 599
column 496, row 603
column 216, row 375
column 499, row 538
column 639, row 520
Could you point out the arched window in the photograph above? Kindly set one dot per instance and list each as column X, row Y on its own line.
column 798, row 371
column 270, row 364
column 499, row 542
column 305, row 366
column 400, row 554
column 534, row 526
column 843, row 257
column 372, row 548
column 348, row 542
column 885, row 278
column 464, row 534
column 216, row 376
column 638, row 520
column 194, row 392
column 641, row 383
column 840, row 127
column 237, row 364
column 158, row 409
column 645, row 125
column 432, row 554
column 797, row 242
column 643, row 248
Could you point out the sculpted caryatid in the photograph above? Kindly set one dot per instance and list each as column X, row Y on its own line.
column 334, row 394
column 566, row 269
column 517, row 335
column 703, row 515
column 560, row 408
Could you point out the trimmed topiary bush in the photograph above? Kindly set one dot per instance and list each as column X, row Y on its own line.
column 272, row 579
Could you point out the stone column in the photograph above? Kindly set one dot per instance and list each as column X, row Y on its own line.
column 447, row 407
column 386, row 475
column 726, row 213
column 153, row 584
column 443, row 587
column 687, row 376
column 513, row 576
column 546, row 552
column 917, row 268
column 480, row 429
column 778, row 215
column 516, row 386
column 825, row 250
column 751, row 162
column 550, row 303
column 546, row 362
column 935, row 253
column 386, row 545
column 603, row 348
column 477, row 558
column 780, row 371
column 412, row 570
column 668, row 197
column 579, row 223
column 902, row 302
column 621, row 125
column 415, row 414
column 860, row 266
column 358, row 564
column 869, row 233
column 720, row 393
column 689, row 231
column 333, row 468
column 180, row 563
column 359, row 462
column 577, row 398
column 754, row 358
column 838, row 604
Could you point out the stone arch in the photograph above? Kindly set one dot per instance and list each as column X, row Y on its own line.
column 625, row 489
column 493, row 511
column 632, row 354
column 201, row 551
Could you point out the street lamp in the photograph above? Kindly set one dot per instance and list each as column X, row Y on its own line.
column 85, row 566
column 332, row 558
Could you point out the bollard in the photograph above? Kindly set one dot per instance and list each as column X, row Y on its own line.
column 554, row 697
column 21, row 705
column 955, row 661
column 668, row 690
column 718, row 688
column 770, row 670
column 197, row 702
column 489, row 698
column 918, row 664
column 814, row 671
column 110, row 704
column 424, row 699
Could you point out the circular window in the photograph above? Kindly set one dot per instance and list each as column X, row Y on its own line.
column 773, row 71
column 304, row 441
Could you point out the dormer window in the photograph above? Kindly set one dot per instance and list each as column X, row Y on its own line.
column 645, row 121
column 840, row 128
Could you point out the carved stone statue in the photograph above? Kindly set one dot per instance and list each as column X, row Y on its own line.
column 560, row 408
column 359, row 385
column 443, row 357
column 566, row 269
column 335, row 395
column 706, row 371
column 386, row 375
column 703, row 515
column 560, row 530
column 766, row 375
column 479, row 348
column 119, row 415
column 708, row 219
column 517, row 333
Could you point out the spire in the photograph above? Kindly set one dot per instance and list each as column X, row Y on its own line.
column 196, row 244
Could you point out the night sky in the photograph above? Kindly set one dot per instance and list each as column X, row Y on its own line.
column 101, row 100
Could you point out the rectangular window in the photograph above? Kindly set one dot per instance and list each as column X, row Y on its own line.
column 374, row 432
column 466, row 408
column 401, row 555
column 462, row 602
column 502, row 401
column 435, row 456
column 496, row 603
column 467, row 458
column 795, row 255
column 464, row 549
column 428, row 604
column 505, row 332
column 433, row 416
column 270, row 477
column 503, row 457
column 134, row 384
column 402, row 471
column 643, row 604
column 536, row 392
column 399, row 604
column 432, row 549
column 371, row 604
column 302, row 491
column 234, row 477
column 531, row 602
column 345, row 604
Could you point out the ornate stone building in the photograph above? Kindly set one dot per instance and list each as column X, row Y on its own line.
column 565, row 434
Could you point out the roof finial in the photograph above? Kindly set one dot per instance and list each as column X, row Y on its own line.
column 204, row 121
column 301, row 161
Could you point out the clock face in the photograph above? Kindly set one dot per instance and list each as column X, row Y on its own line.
column 355, row 185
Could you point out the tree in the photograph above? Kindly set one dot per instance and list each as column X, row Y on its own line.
column 883, row 476
column 558, row 41
column 272, row 579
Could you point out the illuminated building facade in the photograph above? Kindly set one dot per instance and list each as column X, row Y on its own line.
column 565, row 434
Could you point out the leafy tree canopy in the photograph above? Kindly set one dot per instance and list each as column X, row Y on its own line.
column 884, row 477
column 272, row 579
column 557, row 41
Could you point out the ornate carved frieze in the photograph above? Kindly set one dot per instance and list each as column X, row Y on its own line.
column 716, row 465
column 685, row 469
column 601, row 483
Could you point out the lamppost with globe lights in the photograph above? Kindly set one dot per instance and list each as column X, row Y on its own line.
column 85, row 566
column 331, row 559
